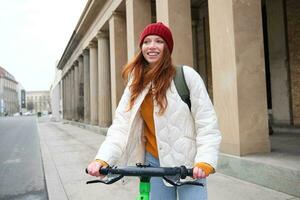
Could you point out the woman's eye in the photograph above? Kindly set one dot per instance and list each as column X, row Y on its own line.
column 160, row 41
column 145, row 42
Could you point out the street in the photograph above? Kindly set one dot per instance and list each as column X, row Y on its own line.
column 21, row 168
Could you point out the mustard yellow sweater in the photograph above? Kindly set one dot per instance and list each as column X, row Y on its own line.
column 149, row 133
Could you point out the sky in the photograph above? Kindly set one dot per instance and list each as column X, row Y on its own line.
column 33, row 36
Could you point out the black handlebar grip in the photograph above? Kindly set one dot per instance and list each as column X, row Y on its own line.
column 104, row 170
column 190, row 172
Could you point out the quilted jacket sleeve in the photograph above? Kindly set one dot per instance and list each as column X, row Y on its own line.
column 208, row 135
column 115, row 142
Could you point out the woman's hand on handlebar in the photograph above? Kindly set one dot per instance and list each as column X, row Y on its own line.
column 94, row 167
column 202, row 170
column 199, row 173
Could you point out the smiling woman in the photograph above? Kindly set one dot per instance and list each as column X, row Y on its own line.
column 143, row 119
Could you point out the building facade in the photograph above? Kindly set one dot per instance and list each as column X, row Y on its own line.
column 9, row 102
column 56, row 97
column 38, row 101
column 245, row 51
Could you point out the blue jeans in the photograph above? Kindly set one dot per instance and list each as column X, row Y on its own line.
column 160, row 191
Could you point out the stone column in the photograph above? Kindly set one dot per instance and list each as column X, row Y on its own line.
column 104, row 95
column 72, row 90
column 93, row 83
column 68, row 99
column 76, row 90
column 239, row 87
column 63, row 82
column 60, row 102
column 80, row 88
column 118, row 56
column 177, row 15
column 86, row 84
column 69, row 95
column 66, row 95
column 138, row 15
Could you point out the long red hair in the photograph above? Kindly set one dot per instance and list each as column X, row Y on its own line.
column 159, row 73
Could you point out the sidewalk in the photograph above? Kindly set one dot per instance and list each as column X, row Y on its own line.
column 67, row 149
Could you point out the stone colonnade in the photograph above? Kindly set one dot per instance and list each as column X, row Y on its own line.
column 112, row 39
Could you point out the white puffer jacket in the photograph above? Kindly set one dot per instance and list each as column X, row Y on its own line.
column 183, row 137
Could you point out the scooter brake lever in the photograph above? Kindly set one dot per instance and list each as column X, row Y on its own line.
column 179, row 183
column 108, row 181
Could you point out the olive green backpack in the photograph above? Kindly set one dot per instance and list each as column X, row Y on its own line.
column 181, row 86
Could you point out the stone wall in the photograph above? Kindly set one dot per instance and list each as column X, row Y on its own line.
column 293, row 34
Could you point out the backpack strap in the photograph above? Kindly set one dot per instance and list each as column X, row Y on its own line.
column 181, row 86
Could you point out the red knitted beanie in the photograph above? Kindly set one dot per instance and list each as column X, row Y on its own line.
column 158, row 29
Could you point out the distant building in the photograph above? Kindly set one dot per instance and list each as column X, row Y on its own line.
column 9, row 103
column 38, row 101
column 21, row 98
